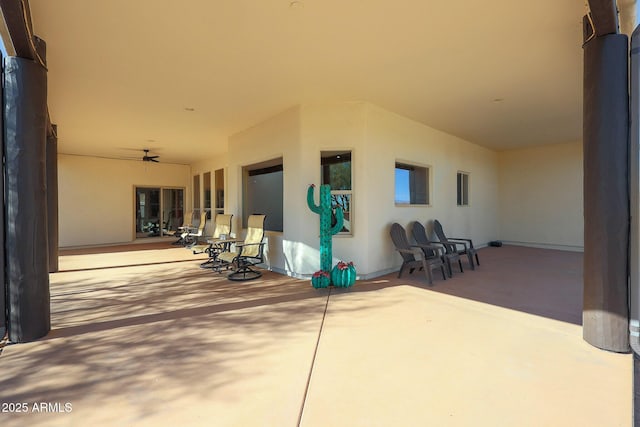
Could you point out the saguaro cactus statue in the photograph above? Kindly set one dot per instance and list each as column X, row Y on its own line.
column 326, row 231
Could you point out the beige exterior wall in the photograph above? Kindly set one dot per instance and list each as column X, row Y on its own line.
column 390, row 138
column 331, row 127
column 200, row 168
column 376, row 138
column 529, row 196
column 541, row 196
column 96, row 196
column 271, row 139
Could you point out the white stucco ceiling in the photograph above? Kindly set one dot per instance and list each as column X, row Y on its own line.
column 122, row 73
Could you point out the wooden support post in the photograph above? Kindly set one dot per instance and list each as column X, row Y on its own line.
column 17, row 25
column 606, row 197
column 604, row 15
column 24, row 145
column 26, row 248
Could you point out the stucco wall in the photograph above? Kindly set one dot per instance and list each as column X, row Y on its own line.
column 390, row 138
column 274, row 138
column 96, row 196
column 330, row 127
column 376, row 138
column 529, row 196
column 200, row 168
column 541, row 196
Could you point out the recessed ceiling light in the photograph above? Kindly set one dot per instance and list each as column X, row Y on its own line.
column 498, row 99
column 151, row 140
column 296, row 4
column 189, row 109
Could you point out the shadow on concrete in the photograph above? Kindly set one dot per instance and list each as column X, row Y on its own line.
column 542, row 282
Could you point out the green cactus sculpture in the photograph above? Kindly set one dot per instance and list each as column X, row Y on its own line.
column 326, row 231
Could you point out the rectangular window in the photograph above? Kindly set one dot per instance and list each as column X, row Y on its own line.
column 206, row 185
column 263, row 193
column 463, row 189
column 337, row 172
column 196, row 192
column 412, row 184
column 219, row 186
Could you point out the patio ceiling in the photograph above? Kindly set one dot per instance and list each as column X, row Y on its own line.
column 180, row 77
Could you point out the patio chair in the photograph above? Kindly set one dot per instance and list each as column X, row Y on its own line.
column 218, row 242
column 449, row 257
column 168, row 224
column 191, row 235
column 413, row 257
column 457, row 244
column 186, row 223
column 247, row 254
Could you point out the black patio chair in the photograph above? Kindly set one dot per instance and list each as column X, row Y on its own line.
column 413, row 256
column 449, row 256
column 457, row 244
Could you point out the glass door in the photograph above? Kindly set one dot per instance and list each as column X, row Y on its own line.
column 159, row 211
column 148, row 218
column 172, row 209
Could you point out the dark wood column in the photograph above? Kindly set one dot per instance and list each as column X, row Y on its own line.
column 27, row 269
column 25, row 120
column 606, row 180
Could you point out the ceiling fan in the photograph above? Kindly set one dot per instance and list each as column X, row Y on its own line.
column 148, row 158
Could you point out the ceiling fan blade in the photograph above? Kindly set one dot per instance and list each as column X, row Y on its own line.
column 152, row 159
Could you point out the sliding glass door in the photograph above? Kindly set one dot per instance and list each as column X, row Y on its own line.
column 172, row 208
column 158, row 210
column 147, row 212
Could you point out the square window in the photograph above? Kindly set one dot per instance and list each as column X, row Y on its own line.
column 336, row 169
column 412, row 184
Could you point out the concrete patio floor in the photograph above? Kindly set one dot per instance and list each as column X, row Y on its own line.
column 146, row 338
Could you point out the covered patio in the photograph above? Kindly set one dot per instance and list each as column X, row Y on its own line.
column 146, row 337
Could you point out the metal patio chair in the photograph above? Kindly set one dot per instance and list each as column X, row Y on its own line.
column 247, row 254
column 218, row 242
column 191, row 235
column 186, row 223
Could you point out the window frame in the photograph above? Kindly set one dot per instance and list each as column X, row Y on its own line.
column 161, row 216
column 463, row 189
column 428, row 187
column 262, row 168
column 196, row 192
column 219, row 190
column 325, row 154
column 206, row 193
